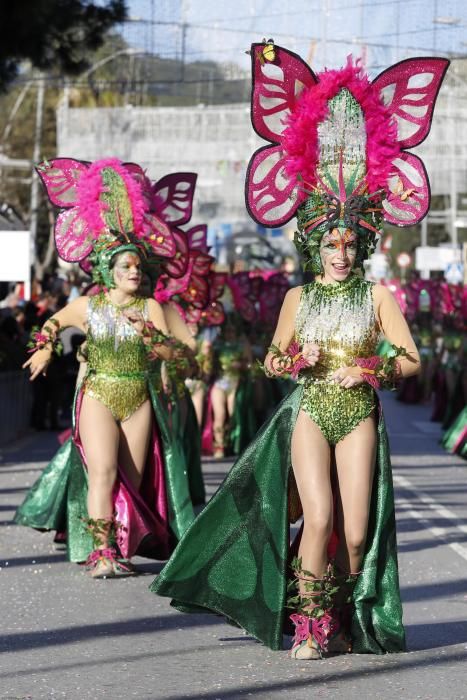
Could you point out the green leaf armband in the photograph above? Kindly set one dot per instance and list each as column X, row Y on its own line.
column 46, row 337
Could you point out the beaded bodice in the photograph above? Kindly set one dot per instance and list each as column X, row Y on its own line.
column 340, row 319
column 113, row 344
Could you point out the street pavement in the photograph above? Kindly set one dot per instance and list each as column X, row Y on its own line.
column 66, row 636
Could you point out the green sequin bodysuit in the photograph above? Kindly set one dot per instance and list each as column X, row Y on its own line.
column 117, row 358
column 340, row 319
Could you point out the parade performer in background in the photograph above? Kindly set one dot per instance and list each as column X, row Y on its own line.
column 119, row 486
column 230, row 395
column 190, row 301
column 336, row 156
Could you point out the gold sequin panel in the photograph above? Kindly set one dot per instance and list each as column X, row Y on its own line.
column 337, row 411
column 340, row 319
column 117, row 359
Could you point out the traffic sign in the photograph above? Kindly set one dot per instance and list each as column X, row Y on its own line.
column 404, row 259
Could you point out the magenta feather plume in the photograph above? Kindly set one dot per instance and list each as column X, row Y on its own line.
column 300, row 138
column 89, row 195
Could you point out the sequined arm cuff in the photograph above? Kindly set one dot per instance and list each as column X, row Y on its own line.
column 46, row 337
column 382, row 372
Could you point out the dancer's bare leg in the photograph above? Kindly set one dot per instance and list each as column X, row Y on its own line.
column 219, row 409
column 135, row 433
column 311, row 466
column 231, row 401
column 198, row 402
column 100, row 437
column 355, row 463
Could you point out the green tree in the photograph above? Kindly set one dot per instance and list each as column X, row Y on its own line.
column 53, row 33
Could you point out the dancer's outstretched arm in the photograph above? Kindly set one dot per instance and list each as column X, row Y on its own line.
column 73, row 314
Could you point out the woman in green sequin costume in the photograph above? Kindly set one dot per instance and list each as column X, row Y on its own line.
column 324, row 453
column 118, row 487
column 228, row 430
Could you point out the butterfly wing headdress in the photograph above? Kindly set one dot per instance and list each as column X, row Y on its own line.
column 296, row 112
column 104, row 197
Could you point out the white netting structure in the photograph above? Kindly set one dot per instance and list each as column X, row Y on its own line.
column 216, row 142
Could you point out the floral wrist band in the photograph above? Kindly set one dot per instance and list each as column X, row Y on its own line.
column 381, row 372
column 179, row 365
column 288, row 363
column 46, row 337
column 153, row 339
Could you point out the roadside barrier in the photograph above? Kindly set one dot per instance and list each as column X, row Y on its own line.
column 15, row 405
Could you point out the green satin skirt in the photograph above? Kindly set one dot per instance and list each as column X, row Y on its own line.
column 184, row 423
column 233, row 560
column 243, row 419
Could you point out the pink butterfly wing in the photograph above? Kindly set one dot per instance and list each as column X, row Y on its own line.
column 86, row 266
column 173, row 197
column 192, row 315
column 216, row 285
column 73, row 236
column 60, row 177
column 197, row 238
column 409, row 89
column 159, row 236
column 137, row 172
column 201, row 263
column 271, row 196
column 197, row 292
column 177, row 266
column 241, row 294
column 410, row 171
column 276, row 86
column 213, row 314
column 167, row 287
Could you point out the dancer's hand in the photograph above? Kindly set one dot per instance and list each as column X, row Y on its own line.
column 347, row 377
column 38, row 363
column 310, row 352
column 136, row 319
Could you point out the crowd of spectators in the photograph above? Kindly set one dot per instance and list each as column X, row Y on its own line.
column 52, row 394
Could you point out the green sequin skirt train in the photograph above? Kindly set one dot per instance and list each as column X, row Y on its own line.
column 234, row 559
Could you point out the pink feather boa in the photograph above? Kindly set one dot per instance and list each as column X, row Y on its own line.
column 91, row 187
column 300, row 138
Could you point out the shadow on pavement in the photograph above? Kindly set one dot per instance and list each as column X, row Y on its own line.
column 419, row 545
column 98, row 661
column 17, row 489
column 411, row 525
column 338, row 680
column 433, row 635
column 71, row 635
column 33, row 560
column 429, row 591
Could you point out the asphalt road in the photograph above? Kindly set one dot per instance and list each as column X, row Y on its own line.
column 66, row 636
